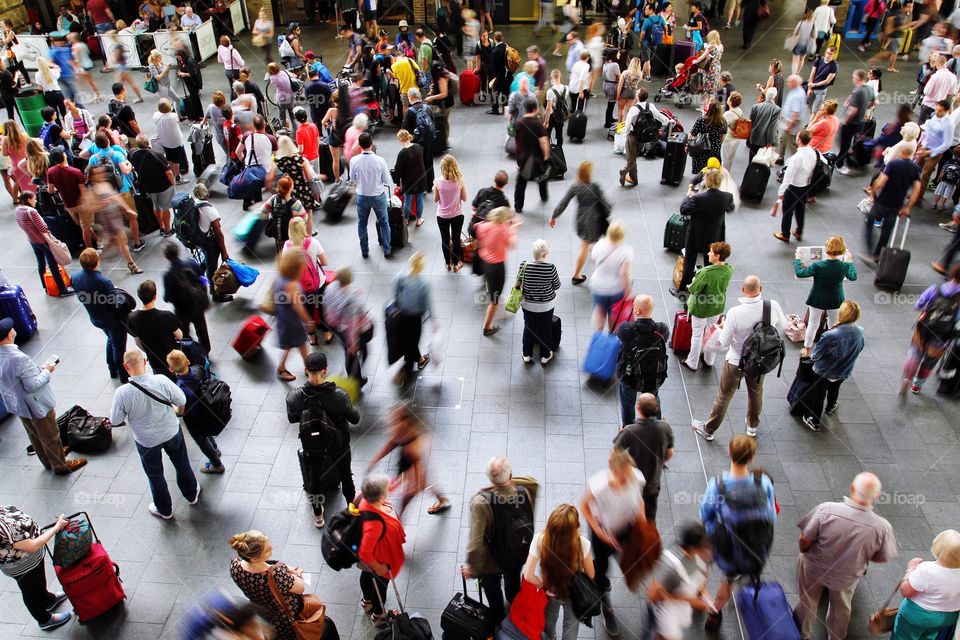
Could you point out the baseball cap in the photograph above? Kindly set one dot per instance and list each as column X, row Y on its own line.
column 309, row 54
column 316, row 362
column 713, row 163
column 6, row 325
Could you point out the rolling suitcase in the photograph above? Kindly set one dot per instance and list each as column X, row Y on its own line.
column 465, row 618
column 326, row 161
column 601, row 360
column 755, row 180
column 251, row 335
column 577, row 126
column 682, row 333
column 146, row 218
column 674, row 159
column 556, row 333
column 440, row 144
column 14, row 304
column 662, row 62
column 92, row 584
column 508, row 631
column 835, row 41
column 209, row 175
column 469, row 86
column 675, row 233
column 50, row 285
column 66, row 231
column 510, row 146
column 894, row 261
column 318, row 471
column 766, row 613
column 398, row 227
column 558, row 163
column 906, row 42
column 949, row 373
column 205, row 158
column 801, row 387
column 338, row 197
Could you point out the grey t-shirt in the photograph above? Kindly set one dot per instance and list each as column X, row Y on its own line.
column 860, row 99
column 667, row 574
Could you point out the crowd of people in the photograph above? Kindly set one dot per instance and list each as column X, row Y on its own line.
column 107, row 176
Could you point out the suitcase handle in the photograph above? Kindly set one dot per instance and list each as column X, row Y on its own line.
column 86, row 515
column 893, row 234
column 479, row 589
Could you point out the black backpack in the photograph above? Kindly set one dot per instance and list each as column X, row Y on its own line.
column 561, row 108
column 819, row 179
column 186, row 222
column 763, row 350
column 512, row 528
column 744, row 534
column 951, row 174
column 188, row 291
column 213, row 408
column 318, row 432
column 281, row 212
column 341, row 537
column 646, row 128
column 939, row 321
column 644, row 359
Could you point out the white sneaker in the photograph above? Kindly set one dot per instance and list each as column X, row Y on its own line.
column 752, row 432
column 152, row 508
column 527, row 360
column 699, row 427
column 196, row 498
column 547, row 359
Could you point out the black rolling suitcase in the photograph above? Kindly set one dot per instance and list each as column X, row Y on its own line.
column 398, row 227
column 205, row 158
column 465, row 618
column 326, row 161
column 440, row 143
column 556, row 333
column 802, row 388
column 577, row 126
column 675, row 233
column 894, row 261
column 146, row 218
column 558, row 163
column 318, row 471
column 674, row 159
column 949, row 373
column 755, row 180
column 662, row 62
column 66, row 231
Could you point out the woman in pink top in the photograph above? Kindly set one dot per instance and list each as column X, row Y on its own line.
column 14, row 146
column 496, row 235
column 33, row 225
column 450, row 192
column 823, row 127
column 351, row 146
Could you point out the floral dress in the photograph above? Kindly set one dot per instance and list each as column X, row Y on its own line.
column 711, row 69
column 256, row 587
column 715, row 136
column 292, row 166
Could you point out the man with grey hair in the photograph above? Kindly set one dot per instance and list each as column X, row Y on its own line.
column 501, row 529
column 418, row 120
column 837, row 542
column 793, row 114
column 764, row 117
column 156, row 180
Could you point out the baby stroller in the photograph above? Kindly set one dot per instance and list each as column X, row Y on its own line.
column 684, row 86
column 362, row 100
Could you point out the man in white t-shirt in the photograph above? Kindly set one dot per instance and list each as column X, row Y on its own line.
column 613, row 504
column 256, row 148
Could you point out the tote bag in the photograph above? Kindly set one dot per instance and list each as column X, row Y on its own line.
column 59, row 250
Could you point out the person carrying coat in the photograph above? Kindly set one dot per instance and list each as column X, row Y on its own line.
column 707, row 214
column 593, row 214
column 826, row 295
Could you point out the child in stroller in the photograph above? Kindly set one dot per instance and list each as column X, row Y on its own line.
column 687, row 83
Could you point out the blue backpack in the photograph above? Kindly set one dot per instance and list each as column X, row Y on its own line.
column 424, row 131
column 744, row 534
column 655, row 35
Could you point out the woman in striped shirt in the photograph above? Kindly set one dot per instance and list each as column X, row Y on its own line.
column 540, row 284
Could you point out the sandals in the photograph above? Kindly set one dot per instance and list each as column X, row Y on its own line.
column 457, row 267
column 579, row 280
column 134, row 269
column 285, row 376
column 366, row 605
column 424, row 361
column 439, row 506
column 492, row 330
column 420, row 222
column 313, row 339
column 328, row 337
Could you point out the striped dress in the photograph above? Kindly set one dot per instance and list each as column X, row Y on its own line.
column 540, row 284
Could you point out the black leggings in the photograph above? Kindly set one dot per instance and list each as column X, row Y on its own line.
column 36, row 596
column 450, row 229
column 370, row 585
column 556, row 127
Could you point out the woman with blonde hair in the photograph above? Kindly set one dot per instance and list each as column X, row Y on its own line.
column 410, row 175
column 450, row 192
column 14, row 147
column 36, row 162
column 931, row 592
column 834, row 357
column 612, row 280
column 290, row 162
column 47, row 77
column 627, row 87
column 496, row 235
column 556, row 553
column 826, row 295
column 160, row 71
column 709, row 61
column 412, row 301
column 313, row 279
column 293, row 322
column 593, row 212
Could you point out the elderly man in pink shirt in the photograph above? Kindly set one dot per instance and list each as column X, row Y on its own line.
column 940, row 85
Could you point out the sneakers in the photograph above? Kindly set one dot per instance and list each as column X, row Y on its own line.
column 66, row 293
column 548, row 358
column 915, row 389
column 811, row 423
column 752, row 432
column 700, row 428
column 610, row 624
column 57, row 620
column 318, row 521
column 212, row 468
column 152, row 508
column 527, row 360
column 196, row 498
column 948, row 226
column 58, row 599
column 845, row 171
column 140, row 246
column 832, row 409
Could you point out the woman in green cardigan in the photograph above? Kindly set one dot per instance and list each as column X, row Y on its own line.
column 826, row 295
column 706, row 301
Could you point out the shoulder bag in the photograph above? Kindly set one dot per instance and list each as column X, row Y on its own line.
column 150, row 394
column 881, row 622
column 516, row 294
column 309, row 625
column 59, row 250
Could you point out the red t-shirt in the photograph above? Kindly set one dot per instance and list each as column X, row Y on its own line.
column 231, row 132
column 69, row 182
column 308, row 138
column 98, row 11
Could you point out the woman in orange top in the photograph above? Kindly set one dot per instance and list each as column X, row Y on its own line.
column 823, row 127
column 496, row 236
column 381, row 547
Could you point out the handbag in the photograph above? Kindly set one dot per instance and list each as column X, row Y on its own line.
column 527, row 610
column 795, row 328
column 534, row 170
column 59, row 250
column 881, row 622
column 229, row 170
column 249, row 182
column 309, row 625
column 585, row 598
column 678, row 272
column 468, row 247
column 516, row 294
column 225, row 281
column 245, row 274
column 742, row 128
column 316, row 189
column 72, row 543
column 791, row 41
column 698, row 145
column 151, row 85
column 763, row 12
column 268, row 300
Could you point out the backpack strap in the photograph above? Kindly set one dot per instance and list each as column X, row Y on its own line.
column 765, row 319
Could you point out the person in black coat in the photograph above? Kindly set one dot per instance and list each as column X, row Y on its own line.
column 499, row 74
column 189, row 73
column 707, row 212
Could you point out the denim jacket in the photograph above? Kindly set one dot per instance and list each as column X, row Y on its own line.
column 837, row 351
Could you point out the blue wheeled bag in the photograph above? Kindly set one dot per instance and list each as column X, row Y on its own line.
column 601, row 360
column 14, row 305
column 766, row 613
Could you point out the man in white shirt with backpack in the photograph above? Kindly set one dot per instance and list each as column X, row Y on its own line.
column 752, row 352
column 642, row 105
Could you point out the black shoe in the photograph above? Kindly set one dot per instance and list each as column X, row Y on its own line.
column 832, row 409
column 811, row 423
column 224, row 298
column 610, row 624
column 679, row 293
column 713, row 622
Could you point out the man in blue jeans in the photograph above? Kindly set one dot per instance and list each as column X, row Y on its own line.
column 642, row 361
column 150, row 404
column 98, row 295
column 370, row 173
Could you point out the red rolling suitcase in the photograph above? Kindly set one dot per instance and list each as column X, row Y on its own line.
column 469, row 86
column 682, row 333
column 92, row 584
column 251, row 336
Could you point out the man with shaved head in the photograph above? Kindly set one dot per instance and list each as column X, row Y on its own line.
column 642, row 361
column 837, row 542
column 734, row 331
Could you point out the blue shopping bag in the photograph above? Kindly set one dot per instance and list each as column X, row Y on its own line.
column 246, row 275
column 601, row 360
